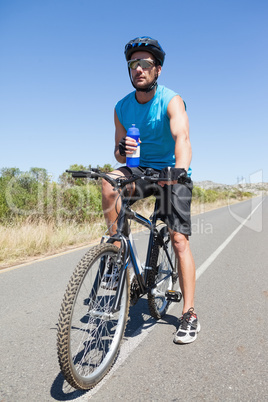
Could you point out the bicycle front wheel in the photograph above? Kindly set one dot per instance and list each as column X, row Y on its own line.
column 89, row 332
column 162, row 275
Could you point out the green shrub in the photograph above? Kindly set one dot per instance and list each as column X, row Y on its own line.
column 82, row 203
column 212, row 195
column 34, row 195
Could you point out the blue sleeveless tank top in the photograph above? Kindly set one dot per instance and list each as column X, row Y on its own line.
column 157, row 144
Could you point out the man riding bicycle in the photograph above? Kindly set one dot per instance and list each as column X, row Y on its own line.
column 160, row 114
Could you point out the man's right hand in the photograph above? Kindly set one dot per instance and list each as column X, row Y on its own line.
column 127, row 145
column 122, row 146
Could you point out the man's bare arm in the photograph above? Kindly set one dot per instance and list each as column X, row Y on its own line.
column 179, row 127
column 130, row 143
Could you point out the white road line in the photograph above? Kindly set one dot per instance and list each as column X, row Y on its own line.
column 141, row 333
column 214, row 255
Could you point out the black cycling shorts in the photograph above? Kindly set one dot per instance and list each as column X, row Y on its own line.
column 174, row 201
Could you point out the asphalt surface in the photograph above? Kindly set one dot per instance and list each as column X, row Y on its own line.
column 227, row 362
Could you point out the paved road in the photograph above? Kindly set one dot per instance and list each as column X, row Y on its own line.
column 228, row 362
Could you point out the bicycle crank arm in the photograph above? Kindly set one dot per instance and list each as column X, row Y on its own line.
column 157, row 293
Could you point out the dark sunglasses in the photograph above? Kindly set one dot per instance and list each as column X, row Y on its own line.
column 143, row 63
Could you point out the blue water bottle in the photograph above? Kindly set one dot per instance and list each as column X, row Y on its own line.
column 133, row 160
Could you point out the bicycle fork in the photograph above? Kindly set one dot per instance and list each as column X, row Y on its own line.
column 122, row 267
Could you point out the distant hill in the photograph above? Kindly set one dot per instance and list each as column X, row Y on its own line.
column 256, row 188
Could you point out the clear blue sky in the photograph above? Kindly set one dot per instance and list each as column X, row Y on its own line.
column 62, row 70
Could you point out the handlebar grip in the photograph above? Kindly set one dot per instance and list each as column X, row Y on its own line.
column 83, row 174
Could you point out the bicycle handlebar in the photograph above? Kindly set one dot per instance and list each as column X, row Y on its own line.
column 118, row 182
column 121, row 181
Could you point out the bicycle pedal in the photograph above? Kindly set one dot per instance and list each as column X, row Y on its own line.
column 173, row 295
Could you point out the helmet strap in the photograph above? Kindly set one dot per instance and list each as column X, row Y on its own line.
column 149, row 88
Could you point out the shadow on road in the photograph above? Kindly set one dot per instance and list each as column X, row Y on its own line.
column 139, row 317
column 61, row 391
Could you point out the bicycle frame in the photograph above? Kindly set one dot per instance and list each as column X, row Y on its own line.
column 129, row 250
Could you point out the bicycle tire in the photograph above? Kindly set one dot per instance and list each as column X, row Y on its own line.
column 161, row 268
column 89, row 335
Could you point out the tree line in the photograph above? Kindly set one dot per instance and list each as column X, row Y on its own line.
column 33, row 195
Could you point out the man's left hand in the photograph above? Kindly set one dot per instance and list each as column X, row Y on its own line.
column 174, row 175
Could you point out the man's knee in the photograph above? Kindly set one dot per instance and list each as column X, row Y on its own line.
column 107, row 189
column 180, row 242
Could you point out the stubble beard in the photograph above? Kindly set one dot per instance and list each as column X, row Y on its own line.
column 145, row 84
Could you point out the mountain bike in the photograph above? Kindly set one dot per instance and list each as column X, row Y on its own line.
column 95, row 307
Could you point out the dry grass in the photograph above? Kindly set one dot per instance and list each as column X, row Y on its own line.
column 199, row 208
column 23, row 241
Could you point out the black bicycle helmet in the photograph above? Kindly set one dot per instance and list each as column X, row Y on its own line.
column 145, row 43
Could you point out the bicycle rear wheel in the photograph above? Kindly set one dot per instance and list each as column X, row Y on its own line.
column 162, row 274
column 89, row 333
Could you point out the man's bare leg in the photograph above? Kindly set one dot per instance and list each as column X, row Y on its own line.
column 186, row 268
column 111, row 202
